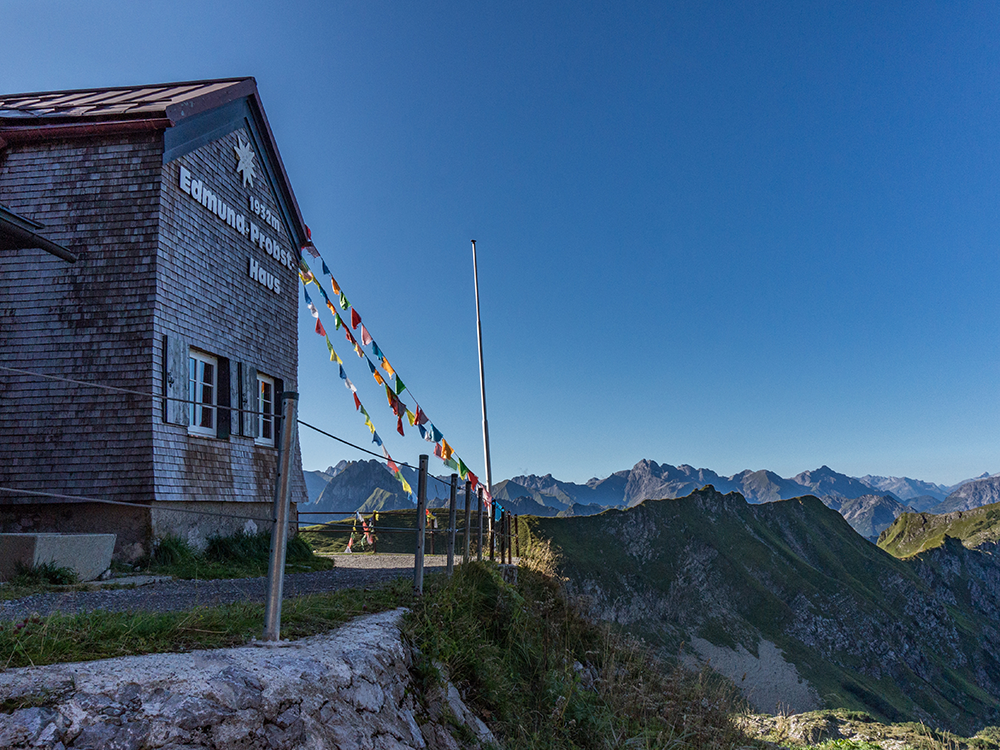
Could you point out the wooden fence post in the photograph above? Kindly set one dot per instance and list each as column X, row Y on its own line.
column 468, row 521
column 418, row 558
column 451, row 524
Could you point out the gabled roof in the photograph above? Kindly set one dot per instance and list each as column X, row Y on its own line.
column 172, row 101
column 190, row 113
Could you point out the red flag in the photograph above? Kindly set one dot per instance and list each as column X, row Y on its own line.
column 319, row 328
column 357, row 402
column 473, row 479
column 392, row 466
column 355, row 318
column 399, row 426
column 350, row 337
column 421, row 418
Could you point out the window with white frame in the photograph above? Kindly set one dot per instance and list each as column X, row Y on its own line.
column 203, row 382
column 266, row 409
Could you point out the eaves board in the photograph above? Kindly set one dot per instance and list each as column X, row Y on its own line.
column 193, row 132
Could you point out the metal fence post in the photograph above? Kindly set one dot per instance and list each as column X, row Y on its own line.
column 468, row 522
column 451, row 524
column 479, row 513
column 279, row 532
column 418, row 558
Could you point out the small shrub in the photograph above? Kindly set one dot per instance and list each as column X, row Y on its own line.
column 171, row 550
column 240, row 547
column 44, row 574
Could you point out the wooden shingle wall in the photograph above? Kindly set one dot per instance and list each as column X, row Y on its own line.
column 205, row 297
column 89, row 321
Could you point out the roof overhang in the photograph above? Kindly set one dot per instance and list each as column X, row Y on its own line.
column 18, row 232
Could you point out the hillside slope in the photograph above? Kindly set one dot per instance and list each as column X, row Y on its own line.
column 787, row 591
column 913, row 533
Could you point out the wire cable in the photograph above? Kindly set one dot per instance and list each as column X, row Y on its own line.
column 105, row 501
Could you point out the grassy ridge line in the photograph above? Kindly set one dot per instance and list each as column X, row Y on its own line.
column 714, row 566
column 913, row 533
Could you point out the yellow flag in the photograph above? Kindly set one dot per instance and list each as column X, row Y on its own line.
column 411, row 417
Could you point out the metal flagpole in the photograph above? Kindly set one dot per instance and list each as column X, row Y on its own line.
column 482, row 384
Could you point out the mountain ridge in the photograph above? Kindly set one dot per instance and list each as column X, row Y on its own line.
column 790, row 580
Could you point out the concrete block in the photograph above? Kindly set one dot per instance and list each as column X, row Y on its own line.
column 88, row 555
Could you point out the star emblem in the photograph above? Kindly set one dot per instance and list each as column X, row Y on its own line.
column 245, row 166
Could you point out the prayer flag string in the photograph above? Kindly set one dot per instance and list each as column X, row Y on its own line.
column 394, row 386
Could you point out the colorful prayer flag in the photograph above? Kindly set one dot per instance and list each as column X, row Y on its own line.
column 355, row 319
column 399, row 385
column 446, row 450
column 344, row 304
column 435, row 434
column 411, row 417
column 376, row 351
column 306, row 293
column 375, row 438
column 335, row 285
column 319, row 326
column 326, row 271
column 399, row 426
column 357, row 402
column 387, row 367
column 366, row 338
column 420, row 416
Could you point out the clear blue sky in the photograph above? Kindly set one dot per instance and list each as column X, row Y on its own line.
column 734, row 235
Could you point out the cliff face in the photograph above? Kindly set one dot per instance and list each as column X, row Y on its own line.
column 347, row 689
column 790, row 584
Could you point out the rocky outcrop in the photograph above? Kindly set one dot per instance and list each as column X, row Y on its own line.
column 349, row 689
column 979, row 492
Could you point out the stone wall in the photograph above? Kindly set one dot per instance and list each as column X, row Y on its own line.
column 350, row 689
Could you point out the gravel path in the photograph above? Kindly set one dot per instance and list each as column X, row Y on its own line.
column 352, row 571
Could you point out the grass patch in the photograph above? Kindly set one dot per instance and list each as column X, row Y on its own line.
column 546, row 678
column 240, row 555
column 101, row 635
column 37, row 579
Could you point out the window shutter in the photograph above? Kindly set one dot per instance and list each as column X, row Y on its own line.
column 251, row 397
column 235, row 397
column 175, row 380
column 224, row 388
